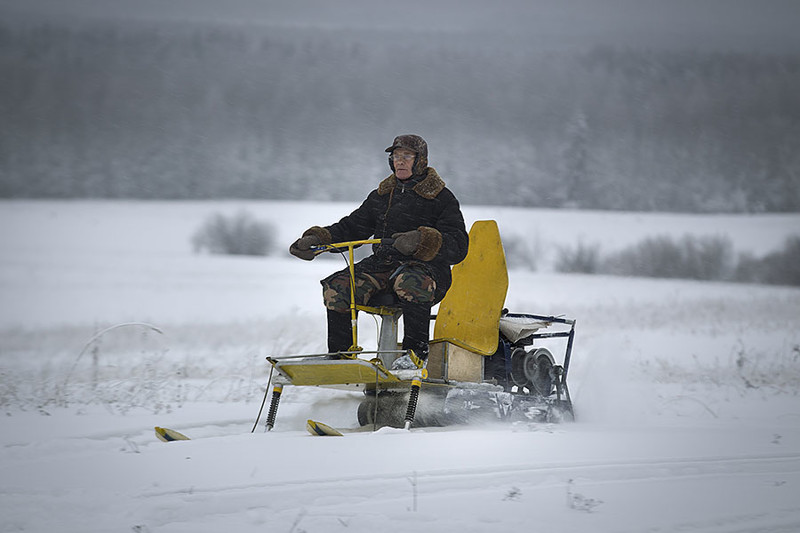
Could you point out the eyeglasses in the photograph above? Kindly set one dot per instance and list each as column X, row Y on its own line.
column 403, row 157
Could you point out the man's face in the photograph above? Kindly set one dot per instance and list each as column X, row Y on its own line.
column 403, row 160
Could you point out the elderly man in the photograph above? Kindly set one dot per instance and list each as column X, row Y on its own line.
column 416, row 209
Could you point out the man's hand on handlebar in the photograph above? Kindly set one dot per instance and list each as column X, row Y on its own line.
column 302, row 247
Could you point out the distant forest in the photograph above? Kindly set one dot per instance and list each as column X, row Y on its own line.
column 157, row 111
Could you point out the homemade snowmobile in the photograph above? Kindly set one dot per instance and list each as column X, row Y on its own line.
column 483, row 362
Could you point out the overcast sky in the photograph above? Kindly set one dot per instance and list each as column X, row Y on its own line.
column 770, row 25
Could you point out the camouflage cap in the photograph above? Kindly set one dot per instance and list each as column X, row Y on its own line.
column 416, row 144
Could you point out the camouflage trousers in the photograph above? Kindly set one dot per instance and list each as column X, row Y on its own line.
column 410, row 282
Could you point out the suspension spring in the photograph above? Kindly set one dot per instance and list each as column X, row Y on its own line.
column 416, row 384
column 273, row 406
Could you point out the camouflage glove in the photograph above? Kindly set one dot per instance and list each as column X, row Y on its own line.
column 302, row 247
column 407, row 242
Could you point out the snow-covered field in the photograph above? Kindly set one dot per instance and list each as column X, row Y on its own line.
column 686, row 393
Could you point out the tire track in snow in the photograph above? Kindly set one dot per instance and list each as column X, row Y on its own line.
column 291, row 493
column 595, row 470
column 356, row 496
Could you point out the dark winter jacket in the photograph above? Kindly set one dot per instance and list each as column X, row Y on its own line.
column 425, row 204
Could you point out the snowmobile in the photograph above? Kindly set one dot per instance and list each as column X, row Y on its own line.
column 483, row 363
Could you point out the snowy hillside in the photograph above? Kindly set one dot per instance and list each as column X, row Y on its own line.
column 686, row 393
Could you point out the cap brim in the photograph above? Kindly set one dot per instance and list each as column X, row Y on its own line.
column 394, row 147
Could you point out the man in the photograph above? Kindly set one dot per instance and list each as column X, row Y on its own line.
column 415, row 208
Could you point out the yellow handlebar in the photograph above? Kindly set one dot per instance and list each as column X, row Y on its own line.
column 349, row 245
column 341, row 247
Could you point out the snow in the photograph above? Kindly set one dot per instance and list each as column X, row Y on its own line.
column 686, row 392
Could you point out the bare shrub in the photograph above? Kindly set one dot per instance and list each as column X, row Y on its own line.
column 238, row 234
column 701, row 258
column 521, row 253
column 583, row 258
column 690, row 257
column 777, row 268
column 781, row 267
column 748, row 269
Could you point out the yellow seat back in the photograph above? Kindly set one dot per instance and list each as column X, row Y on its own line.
column 469, row 314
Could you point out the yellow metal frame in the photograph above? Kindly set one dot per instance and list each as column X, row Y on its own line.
column 354, row 308
column 468, row 315
column 333, row 372
column 468, row 318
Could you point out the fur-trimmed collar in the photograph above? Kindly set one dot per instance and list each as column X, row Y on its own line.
column 428, row 188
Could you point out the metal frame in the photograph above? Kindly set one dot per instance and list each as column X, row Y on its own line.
column 570, row 335
column 387, row 347
column 561, row 373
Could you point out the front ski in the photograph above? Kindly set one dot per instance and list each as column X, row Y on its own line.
column 318, row 429
column 169, row 435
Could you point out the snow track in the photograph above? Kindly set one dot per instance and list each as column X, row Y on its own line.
column 473, row 498
column 704, row 479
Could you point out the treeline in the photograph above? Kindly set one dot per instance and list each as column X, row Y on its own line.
column 158, row 111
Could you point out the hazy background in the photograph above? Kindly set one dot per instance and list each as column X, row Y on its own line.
column 672, row 105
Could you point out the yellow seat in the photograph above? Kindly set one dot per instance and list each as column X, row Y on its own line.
column 467, row 323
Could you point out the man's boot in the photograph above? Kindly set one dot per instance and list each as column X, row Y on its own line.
column 340, row 333
column 416, row 325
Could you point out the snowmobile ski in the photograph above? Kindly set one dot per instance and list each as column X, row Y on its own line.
column 318, row 429
column 169, row 435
